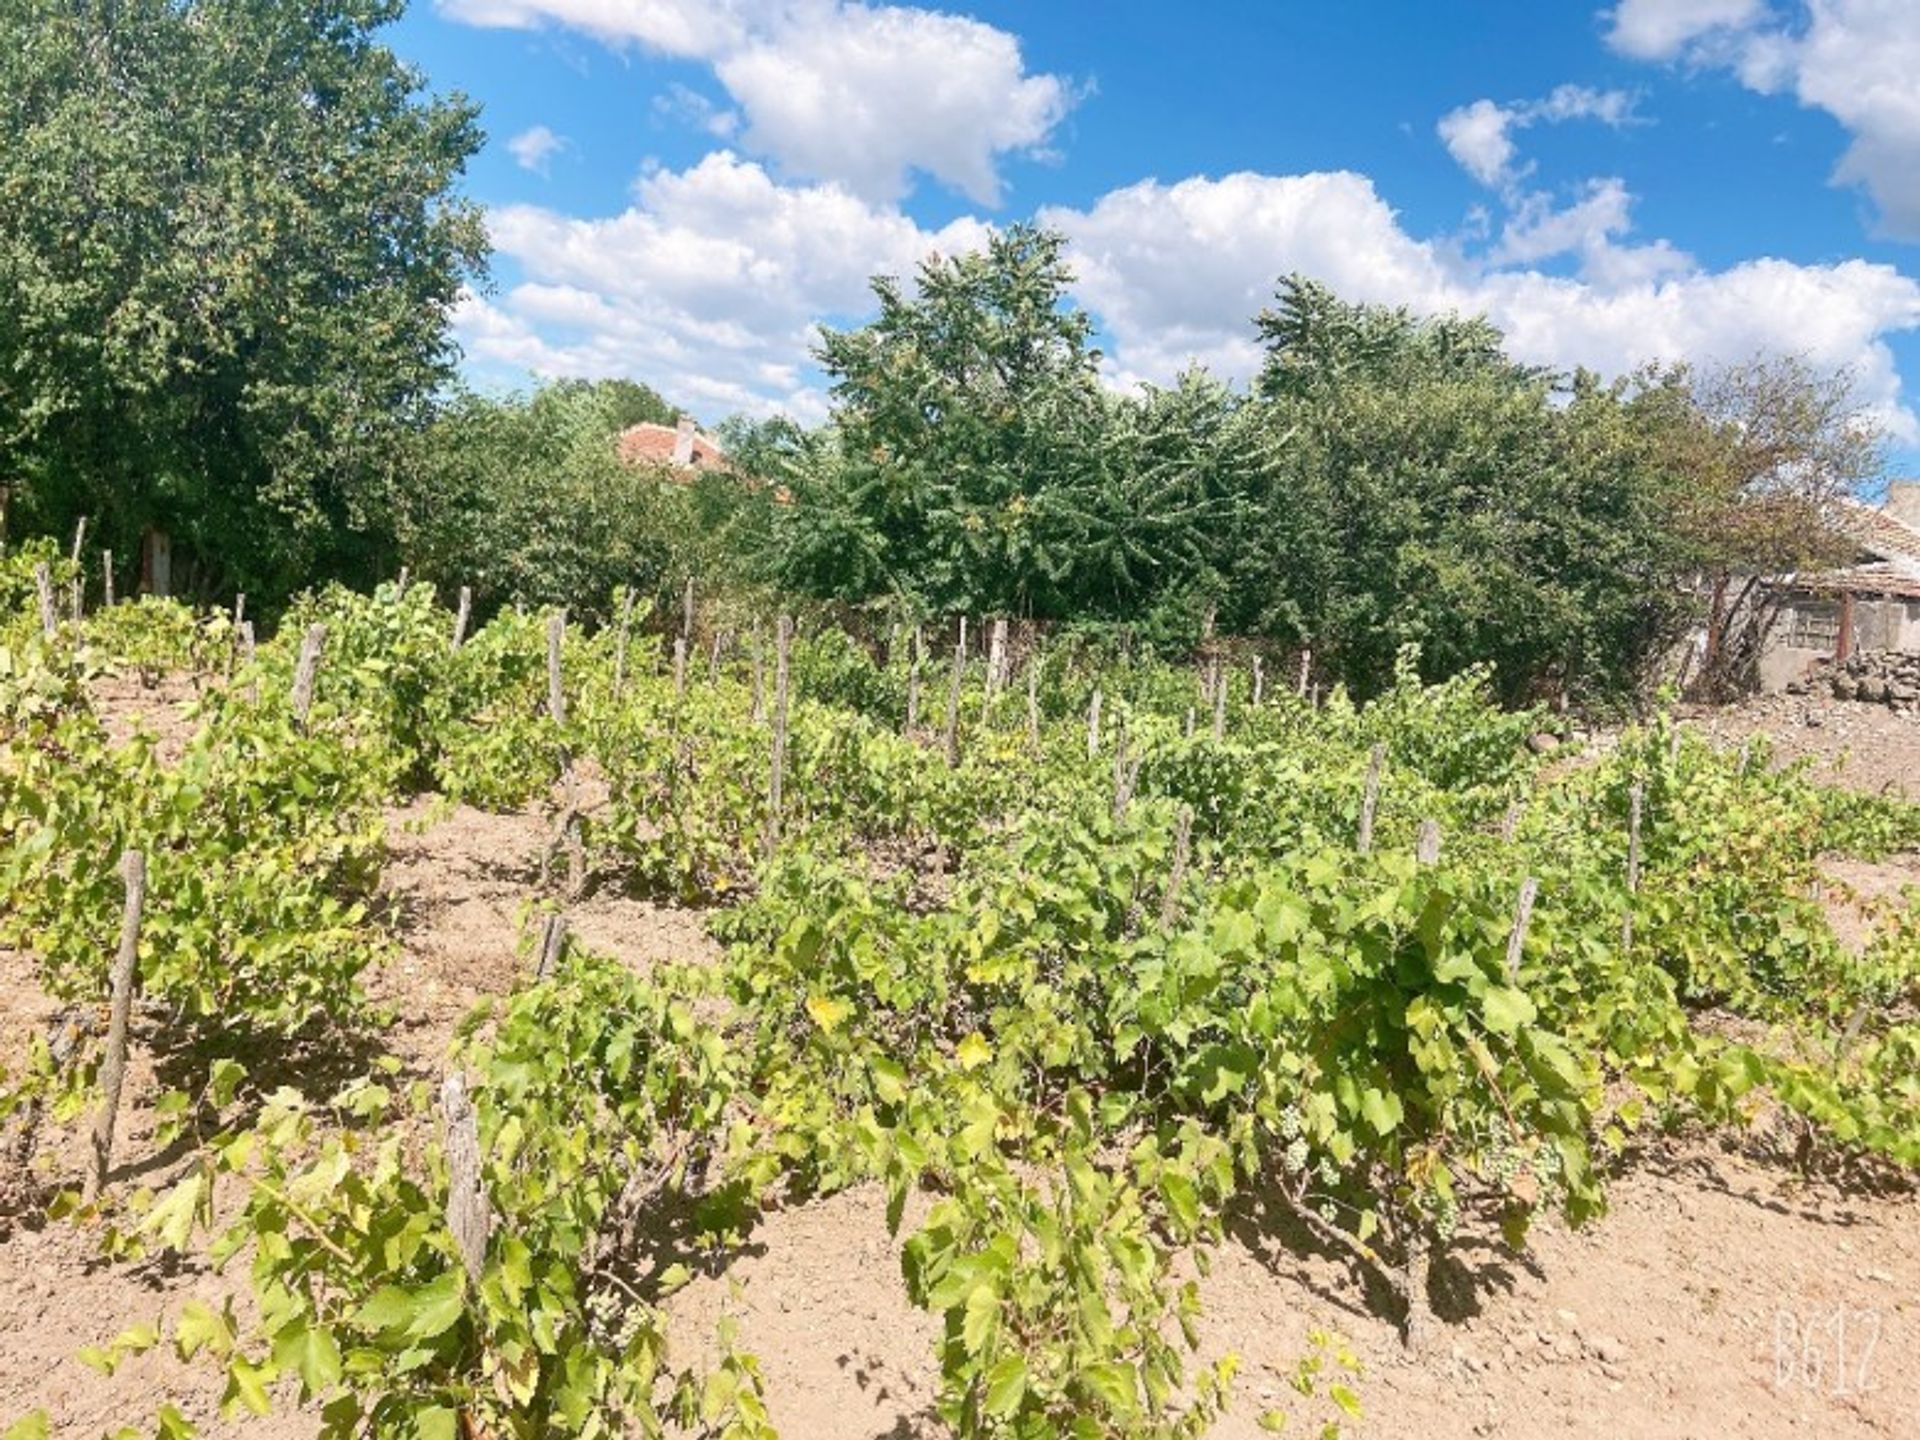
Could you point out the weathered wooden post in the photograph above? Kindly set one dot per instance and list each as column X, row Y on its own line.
column 43, row 584
column 553, row 943
column 1522, row 918
column 951, row 736
column 400, row 583
column 1636, row 800
column 113, row 1066
column 680, row 667
column 1306, row 669
column 913, row 684
column 461, row 615
column 469, row 1214
column 305, row 670
column 1426, row 847
column 79, row 540
column 106, row 578
column 996, row 658
column 1370, row 798
column 620, row 644
column 556, row 692
column 1259, row 681
column 783, row 646
column 686, row 612
column 1093, row 725
column 1182, row 839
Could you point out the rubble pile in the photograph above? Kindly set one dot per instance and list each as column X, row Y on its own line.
column 1872, row 677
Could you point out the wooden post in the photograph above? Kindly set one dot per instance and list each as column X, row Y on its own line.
column 713, row 656
column 1510, row 822
column 620, row 644
column 680, row 667
column 1219, row 701
column 106, row 577
column 113, row 1066
column 913, row 681
column 1636, row 801
column 553, row 942
column 1370, row 799
column 1522, row 918
column 43, row 583
column 951, row 735
column 305, row 670
column 783, row 646
column 400, row 584
column 461, row 616
column 1093, row 725
column 686, row 612
column 469, row 1214
column 1426, row 848
column 79, row 540
column 1182, row 839
column 757, row 663
column 556, row 693
column 996, row 658
column 239, row 609
column 243, row 642
column 1306, row 668
column 1259, row 681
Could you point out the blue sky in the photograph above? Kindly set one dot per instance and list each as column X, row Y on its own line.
column 680, row 190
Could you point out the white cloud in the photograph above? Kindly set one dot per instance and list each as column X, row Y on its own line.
column 839, row 90
column 1176, row 273
column 709, row 286
column 534, row 149
column 1479, row 136
column 1855, row 59
column 688, row 106
column 1661, row 29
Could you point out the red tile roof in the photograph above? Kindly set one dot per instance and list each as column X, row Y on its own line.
column 651, row 444
column 1881, row 533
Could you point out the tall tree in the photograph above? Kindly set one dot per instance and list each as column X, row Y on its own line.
column 230, row 246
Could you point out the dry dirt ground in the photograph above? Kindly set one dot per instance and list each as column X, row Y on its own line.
column 1720, row 1296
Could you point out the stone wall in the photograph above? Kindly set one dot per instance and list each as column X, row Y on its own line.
column 1873, row 677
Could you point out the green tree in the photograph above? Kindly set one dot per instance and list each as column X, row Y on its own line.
column 230, row 246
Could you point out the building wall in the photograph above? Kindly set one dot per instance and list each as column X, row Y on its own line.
column 1878, row 624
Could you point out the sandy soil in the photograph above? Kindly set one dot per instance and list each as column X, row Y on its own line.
column 1720, row 1297
column 1863, row 747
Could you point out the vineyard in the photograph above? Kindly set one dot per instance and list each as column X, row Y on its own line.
column 1068, row 961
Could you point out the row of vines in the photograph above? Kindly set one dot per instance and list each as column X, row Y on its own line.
column 1073, row 957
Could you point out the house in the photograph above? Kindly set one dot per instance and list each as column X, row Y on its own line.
column 1871, row 604
column 681, row 447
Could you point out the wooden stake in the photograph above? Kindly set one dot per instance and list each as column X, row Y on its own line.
column 1306, row 668
column 1510, row 822
column 783, row 646
column 461, row 616
column 996, row 658
column 553, row 942
column 239, row 609
column 1370, row 799
column 1182, row 839
column 79, row 539
column 680, row 667
column 113, row 1066
column 686, row 613
column 1427, row 847
column 306, row 670
column 1522, row 918
column 620, row 644
column 913, row 682
column 1219, row 701
column 1636, row 800
column 469, row 1213
column 106, row 577
column 1259, row 681
column 951, row 736
column 1093, row 725
column 400, row 584
column 43, row 583
column 556, row 694
column 757, row 663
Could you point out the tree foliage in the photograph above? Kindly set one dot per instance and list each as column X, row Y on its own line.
column 229, row 251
